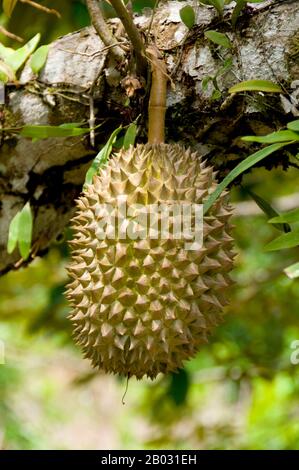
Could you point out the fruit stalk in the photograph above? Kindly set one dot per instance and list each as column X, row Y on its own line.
column 157, row 101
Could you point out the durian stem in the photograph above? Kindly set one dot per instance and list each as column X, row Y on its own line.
column 157, row 101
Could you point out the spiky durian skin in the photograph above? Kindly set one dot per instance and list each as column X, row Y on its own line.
column 141, row 307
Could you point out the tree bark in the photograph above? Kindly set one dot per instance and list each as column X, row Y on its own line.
column 81, row 77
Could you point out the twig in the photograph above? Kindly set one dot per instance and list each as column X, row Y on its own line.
column 10, row 35
column 94, row 54
column 50, row 11
column 175, row 69
column 126, row 390
column 134, row 35
column 151, row 21
column 102, row 29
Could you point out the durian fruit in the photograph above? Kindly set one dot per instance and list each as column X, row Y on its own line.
column 142, row 302
column 143, row 306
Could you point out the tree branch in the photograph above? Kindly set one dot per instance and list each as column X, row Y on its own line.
column 103, row 30
column 10, row 35
column 50, row 11
column 133, row 34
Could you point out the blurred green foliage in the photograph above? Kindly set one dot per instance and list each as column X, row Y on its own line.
column 27, row 21
column 241, row 390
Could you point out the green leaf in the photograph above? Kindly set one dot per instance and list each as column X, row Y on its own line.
column 240, row 4
column 44, row 132
column 20, row 232
column 290, row 217
column 227, row 64
column 274, row 137
column 5, row 52
column 293, row 125
column 179, row 387
column 256, row 85
column 205, row 82
column 6, row 73
column 187, row 15
column 119, row 143
column 287, row 240
column 240, row 168
column 19, row 56
column 130, row 136
column 218, row 4
column 25, row 231
column 237, row 10
column 216, row 95
column 268, row 210
column 72, row 125
column 8, row 6
column 13, row 233
column 39, row 58
column 218, row 38
column 101, row 157
column 3, row 76
column 292, row 271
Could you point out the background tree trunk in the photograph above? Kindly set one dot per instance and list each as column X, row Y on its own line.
column 80, row 77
